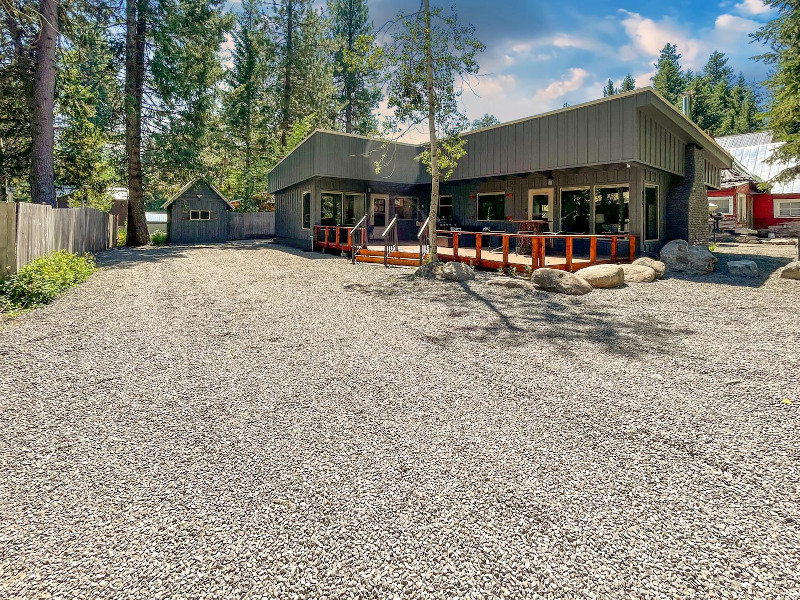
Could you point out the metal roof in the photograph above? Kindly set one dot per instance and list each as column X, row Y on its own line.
column 752, row 151
column 155, row 217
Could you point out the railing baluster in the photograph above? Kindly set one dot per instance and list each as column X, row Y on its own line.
column 632, row 247
column 534, row 253
column 506, row 238
column 455, row 246
column 569, row 253
column 592, row 250
column 478, row 248
column 614, row 249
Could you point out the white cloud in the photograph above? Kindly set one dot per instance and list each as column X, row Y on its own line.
column 648, row 37
column 752, row 7
column 736, row 24
column 571, row 82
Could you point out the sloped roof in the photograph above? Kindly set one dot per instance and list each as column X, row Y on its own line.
column 753, row 150
column 190, row 184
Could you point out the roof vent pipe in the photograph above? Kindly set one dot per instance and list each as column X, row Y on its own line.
column 686, row 104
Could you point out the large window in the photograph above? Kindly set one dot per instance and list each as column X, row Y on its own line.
column 199, row 215
column 611, row 209
column 575, row 210
column 353, row 208
column 331, row 208
column 651, row 213
column 379, row 211
column 306, row 210
column 405, row 208
column 787, row 208
column 724, row 204
column 446, row 208
column 492, row 207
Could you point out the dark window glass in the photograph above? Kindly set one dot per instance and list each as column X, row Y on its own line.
column 331, row 205
column 446, row 208
column 575, row 210
column 306, row 210
column 405, row 208
column 353, row 206
column 541, row 206
column 492, row 207
column 651, row 212
column 379, row 212
column 611, row 206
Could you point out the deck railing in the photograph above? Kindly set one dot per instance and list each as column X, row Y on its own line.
column 357, row 237
column 423, row 239
column 389, row 241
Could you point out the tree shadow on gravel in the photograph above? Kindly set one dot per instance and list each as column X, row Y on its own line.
column 522, row 318
column 767, row 266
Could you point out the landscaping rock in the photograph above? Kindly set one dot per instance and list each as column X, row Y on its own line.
column 603, row 276
column 680, row 257
column 639, row 273
column 791, row 271
column 743, row 268
column 562, row 282
column 659, row 267
column 455, row 271
column 430, row 270
column 512, row 283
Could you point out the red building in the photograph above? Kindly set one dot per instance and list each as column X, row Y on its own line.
column 741, row 202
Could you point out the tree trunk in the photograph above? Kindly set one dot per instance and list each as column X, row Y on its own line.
column 348, row 80
column 135, row 23
column 42, row 177
column 287, row 75
column 434, row 143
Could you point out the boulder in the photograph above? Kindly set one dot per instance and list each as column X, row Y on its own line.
column 512, row 283
column 639, row 273
column 743, row 268
column 791, row 271
column 456, row 271
column 680, row 257
column 430, row 270
column 562, row 282
column 659, row 267
column 602, row 276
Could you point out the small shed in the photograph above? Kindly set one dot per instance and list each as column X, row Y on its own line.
column 198, row 213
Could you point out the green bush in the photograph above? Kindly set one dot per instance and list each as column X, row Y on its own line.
column 40, row 281
column 158, row 238
column 122, row 236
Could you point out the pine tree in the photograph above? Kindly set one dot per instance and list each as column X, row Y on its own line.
column 249, row 109
column 669, row 79
column 356, row 89
column 486, row 120
column 609, row 89
column 782, row 37
column 628, row 84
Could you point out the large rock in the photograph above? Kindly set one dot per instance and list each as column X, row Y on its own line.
column 639, row 273
column 456, row 271
column 743, row 268
column 791, row 271
column 659, row 267
column 430, row 270
column 680, row 257
column 602, row 276
column 562, row 282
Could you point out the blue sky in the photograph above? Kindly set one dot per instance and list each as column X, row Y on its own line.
column 540, row 55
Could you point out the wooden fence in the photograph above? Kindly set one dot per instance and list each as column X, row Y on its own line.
column 28, row 231
column 251, row 225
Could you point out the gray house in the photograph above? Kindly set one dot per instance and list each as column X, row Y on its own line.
column 627, row 164
column 198, row 213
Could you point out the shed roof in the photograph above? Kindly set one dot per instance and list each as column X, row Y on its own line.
column 155, row 217
column 752, row 151
column 190, row 184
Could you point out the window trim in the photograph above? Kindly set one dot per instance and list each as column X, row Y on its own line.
column 597, row 186
column 439, row 208
column 776, row 203
column 731, row 204
column 302, row 209
column 657, row 187
column 478, row 206
column 199, row 214
column 550, row 192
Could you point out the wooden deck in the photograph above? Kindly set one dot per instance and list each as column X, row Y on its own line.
column 491, row 250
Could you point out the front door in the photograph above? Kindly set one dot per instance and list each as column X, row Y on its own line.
column 540, row 205
column 378, row 205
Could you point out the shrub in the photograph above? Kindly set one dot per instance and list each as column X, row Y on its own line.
column 40, row 281
column 159, row 238
column 122, row 236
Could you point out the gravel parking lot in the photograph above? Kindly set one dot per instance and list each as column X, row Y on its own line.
column 250, row 421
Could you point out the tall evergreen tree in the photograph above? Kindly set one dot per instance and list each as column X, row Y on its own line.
column 628, row 84
column 782, row 37
column 669, row 79
column 609, row 89
column 356, row 88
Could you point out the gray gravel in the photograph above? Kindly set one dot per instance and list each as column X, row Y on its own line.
column 247, row 421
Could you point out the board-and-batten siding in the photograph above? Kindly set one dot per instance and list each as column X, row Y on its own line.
column 658, row 146
column 289, row 214
column 184, row 231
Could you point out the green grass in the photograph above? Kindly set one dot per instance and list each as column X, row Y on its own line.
column 40, row 281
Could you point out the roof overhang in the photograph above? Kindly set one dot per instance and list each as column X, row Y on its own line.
column 189, row 185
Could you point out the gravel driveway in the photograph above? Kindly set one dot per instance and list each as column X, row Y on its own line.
column 248, row 421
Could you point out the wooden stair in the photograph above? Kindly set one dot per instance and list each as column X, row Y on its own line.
column 399, row 259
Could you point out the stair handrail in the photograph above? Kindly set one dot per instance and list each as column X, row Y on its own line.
column 423, row 238
column 360, row 231
column 389, row 240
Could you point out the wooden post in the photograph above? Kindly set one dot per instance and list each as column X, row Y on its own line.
column 534, row 253
column 632, row 247
column 614, row 249
column 542, row 253
column 455, row 246
column 506, row 237
column 478, row 248
column 569, row 252
column 592, row 250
